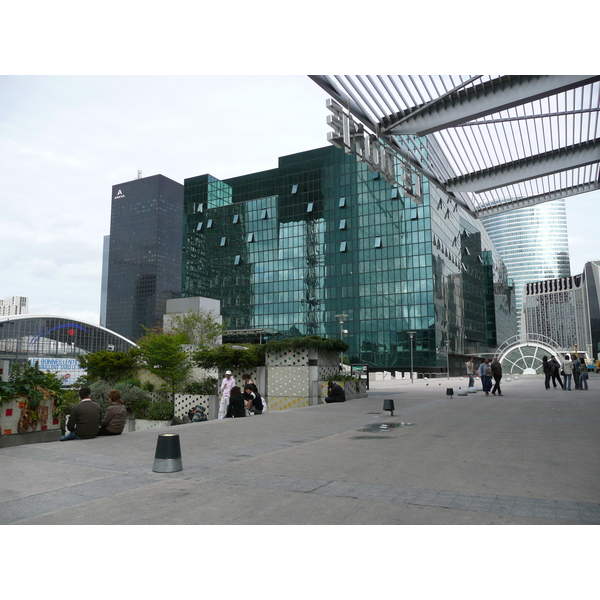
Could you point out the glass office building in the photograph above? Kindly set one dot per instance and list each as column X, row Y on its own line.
column 290, row 249
column 533, row 244
column 144, row 257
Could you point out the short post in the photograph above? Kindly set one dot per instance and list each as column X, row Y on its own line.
column 388, row 407
column 167, row 458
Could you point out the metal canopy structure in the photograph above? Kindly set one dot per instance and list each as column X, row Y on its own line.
column 492, row 142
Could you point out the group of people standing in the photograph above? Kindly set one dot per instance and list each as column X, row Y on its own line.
column 487, row 371
column 571, row 367
column 237, row 403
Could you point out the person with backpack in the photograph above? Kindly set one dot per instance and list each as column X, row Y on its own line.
column 555, row 372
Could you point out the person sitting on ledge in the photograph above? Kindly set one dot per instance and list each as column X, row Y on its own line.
column 237, row 404
column 115, row 417
column 335, row 393
column 84, row 420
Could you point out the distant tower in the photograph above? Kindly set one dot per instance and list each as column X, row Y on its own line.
column 14, row 305
column 533, row 244
column 144, row 258
column 104, row 284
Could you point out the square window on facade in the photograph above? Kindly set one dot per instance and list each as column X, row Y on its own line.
column 264, row 214
column 199, row 226
column 309, row 207
column 250, row 238
column 343, row 224
column 237, row 260
column 395, row 194
column 343, row 247
column 223, row 241
column 200, row 208
column 236, row 219
column 342, row 203
column 376, row 175
column 295, row 189
column 377, row 242
column 209, row 224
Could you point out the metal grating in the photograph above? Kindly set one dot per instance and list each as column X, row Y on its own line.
column 492, row 142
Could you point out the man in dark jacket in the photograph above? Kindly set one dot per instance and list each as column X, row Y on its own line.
column 335, row 393
column 497, row 375
column 84, row 420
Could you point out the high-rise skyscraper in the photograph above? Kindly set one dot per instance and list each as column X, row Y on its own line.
column 144, row 262
column 533, row 244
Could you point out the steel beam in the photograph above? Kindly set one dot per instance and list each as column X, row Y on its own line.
column 508, row 205
column 481, row 100
column 532, row 167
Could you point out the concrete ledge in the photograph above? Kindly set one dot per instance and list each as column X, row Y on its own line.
column 31, row 437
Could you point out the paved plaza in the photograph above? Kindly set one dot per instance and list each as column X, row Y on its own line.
column 528, row 457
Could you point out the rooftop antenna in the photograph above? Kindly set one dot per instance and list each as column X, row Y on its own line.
column 139, row 174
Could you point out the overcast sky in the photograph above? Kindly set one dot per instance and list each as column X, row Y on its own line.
column 65, row 140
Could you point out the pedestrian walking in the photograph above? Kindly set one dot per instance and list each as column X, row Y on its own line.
column 496, row 367
column 470, row 366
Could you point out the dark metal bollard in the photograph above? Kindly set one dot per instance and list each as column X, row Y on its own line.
column 167, row 458
column 388, row 405
column 450, row 392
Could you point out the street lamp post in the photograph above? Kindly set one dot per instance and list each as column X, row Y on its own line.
column 448, row 358
column 341, row 320
column 411, row 335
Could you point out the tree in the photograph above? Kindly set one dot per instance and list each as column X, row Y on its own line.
column 200, row 327
column 110, row 366
column 162, row 355
column 228, row 356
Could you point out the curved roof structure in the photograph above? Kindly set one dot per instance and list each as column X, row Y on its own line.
column 492, row 142
column 52, row 336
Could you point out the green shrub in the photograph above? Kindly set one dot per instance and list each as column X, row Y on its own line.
column 204, row 387
column 100, row 391
column 314, row 342
column 134, row 398
column 140, row 408
column 160, row 411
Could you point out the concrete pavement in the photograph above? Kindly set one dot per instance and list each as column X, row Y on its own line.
column 529, row 457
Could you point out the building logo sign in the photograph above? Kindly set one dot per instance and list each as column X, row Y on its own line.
column 120, row 194
column 350, row 135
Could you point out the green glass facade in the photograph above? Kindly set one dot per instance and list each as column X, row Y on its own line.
column 286, row 250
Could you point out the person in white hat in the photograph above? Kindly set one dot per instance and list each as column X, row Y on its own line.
column 226, row 385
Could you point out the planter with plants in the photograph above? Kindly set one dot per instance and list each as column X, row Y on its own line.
column 158, row 414
column 30, row 400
